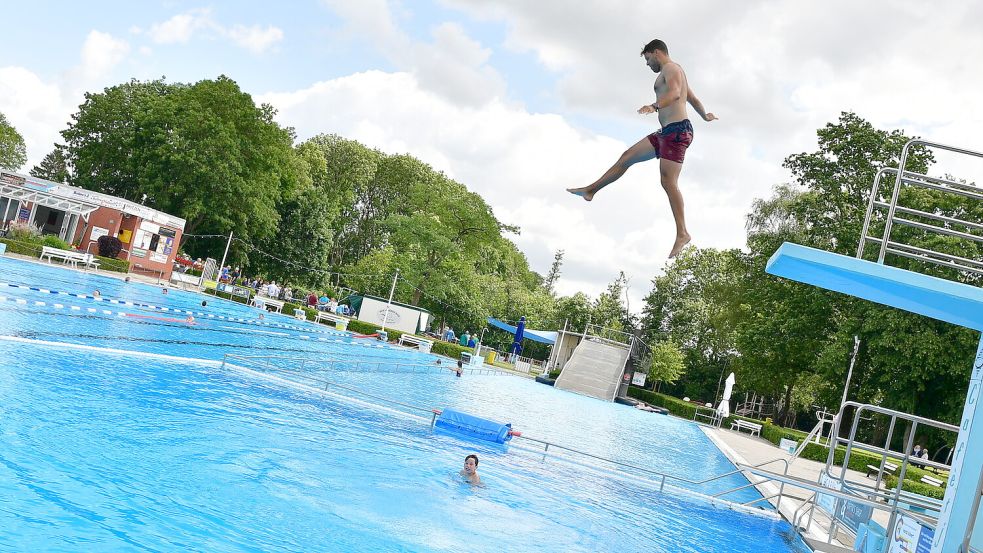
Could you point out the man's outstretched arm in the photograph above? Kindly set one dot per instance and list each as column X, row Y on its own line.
column 698, row 106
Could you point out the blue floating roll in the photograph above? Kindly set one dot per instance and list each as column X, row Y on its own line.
column 472, row 427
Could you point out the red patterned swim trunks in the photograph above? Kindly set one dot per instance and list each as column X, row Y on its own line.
column 671, row 141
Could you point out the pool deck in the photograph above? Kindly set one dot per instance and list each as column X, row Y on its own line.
column 751, row 450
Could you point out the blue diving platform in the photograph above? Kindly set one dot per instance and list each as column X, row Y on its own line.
column 941, row 299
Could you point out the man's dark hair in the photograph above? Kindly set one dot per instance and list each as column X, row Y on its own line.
column 656, row 44
column 472, row 456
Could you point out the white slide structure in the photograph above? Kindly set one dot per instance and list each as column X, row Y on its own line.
column 594, row 369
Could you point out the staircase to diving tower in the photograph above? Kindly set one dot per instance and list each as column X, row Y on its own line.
column 595, row 368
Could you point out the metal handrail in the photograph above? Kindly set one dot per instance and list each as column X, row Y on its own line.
column 659, row 475
column 808, row 439
column 891, row 498
column 901, row 176
column 357, row 363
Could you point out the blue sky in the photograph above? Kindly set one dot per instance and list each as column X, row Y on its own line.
column 519, row 100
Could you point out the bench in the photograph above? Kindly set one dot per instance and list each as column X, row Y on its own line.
column 68, row 256
column 339, row 322
column 888, row 467
column 931, row 481
column 262, row 302
column 753, row 428
column 422, row 344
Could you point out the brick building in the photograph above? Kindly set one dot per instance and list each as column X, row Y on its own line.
column 150, row 238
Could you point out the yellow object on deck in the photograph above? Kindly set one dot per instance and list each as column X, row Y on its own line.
column 490, row 357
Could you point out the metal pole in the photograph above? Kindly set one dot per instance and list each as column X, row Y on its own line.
column 7, row 209
column 894, row 202
column 227, row 244
column 849, row 374
column 390, row 302
column 870, row 211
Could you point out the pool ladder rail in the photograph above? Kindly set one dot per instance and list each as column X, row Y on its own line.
column 945, row 224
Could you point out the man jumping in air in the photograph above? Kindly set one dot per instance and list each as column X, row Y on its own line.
column 669, row 144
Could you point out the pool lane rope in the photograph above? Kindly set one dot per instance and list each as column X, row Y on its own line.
column 81, row 309
column 167, row 309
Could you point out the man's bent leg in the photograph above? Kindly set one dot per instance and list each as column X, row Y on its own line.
column 670, row 182
column 641, row 151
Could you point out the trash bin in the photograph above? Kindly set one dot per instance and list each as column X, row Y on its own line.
column 341, row 325
column 490, row 357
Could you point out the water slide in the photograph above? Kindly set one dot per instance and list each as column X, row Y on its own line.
column 594, row 369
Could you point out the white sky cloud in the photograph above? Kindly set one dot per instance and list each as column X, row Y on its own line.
column 182, row 28
column 774, row 71
column 255, row 38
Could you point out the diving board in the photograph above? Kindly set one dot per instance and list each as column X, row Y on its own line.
column 941, row 299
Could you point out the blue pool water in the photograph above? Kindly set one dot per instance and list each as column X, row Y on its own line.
column 112, row 446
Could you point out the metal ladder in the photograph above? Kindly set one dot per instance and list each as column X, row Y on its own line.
column 903, row 177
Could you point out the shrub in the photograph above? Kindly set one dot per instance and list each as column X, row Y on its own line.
column 109, row 246
column 677, row 407
column 448, row 349
column 115, row 265
column 53, row 241
column 362, row 327
column 891, row 482
column 23, row 232
column 29, row 248
column 225, row 295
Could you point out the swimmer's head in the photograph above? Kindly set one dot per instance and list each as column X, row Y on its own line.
column 655, row 53
column 471, row 463
column 96, row 294
column 204, row 303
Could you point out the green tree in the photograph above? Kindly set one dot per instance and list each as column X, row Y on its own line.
column 691, row 304
column 788, row 332
column 204, row 152
column 54, row 166
column 13, row 151
column 665, row 363
column 554, row 274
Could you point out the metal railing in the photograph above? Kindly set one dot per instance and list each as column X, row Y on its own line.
column 653, row 477
column 946, row 222
column 348, row 363
column 661, row 478
column 896, row 500
column 710, row 414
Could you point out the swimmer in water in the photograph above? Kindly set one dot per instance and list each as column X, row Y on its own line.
column 96, row 294
column 459, row 370
column 190, row 320
column 470, row 470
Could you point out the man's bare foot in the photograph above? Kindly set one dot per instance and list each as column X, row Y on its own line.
column 681, row 241
column 584, row 192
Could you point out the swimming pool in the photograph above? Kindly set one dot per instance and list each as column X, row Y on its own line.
column 114, row 447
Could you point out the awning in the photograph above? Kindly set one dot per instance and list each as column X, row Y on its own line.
column 541, row 336
column 15, row 187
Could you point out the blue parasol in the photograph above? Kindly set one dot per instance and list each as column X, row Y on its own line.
column 519, row 330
